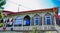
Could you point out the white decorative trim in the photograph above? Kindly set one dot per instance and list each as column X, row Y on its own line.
column 36, row 19
column 48, row 18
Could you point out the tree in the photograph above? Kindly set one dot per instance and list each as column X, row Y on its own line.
column 2, row 2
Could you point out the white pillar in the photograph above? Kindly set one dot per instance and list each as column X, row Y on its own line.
column 22, row 24
column 42, row 21
column 55, row 22
column 42, row 17
column 30, row 21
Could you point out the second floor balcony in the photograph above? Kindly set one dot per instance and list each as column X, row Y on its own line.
column 44, row 27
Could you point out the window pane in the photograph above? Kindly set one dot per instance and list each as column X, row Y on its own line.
column 18, row 21
column 36, row 22
column 27, row 22
column 48, row 22
column 48, row 17
column 36, row 18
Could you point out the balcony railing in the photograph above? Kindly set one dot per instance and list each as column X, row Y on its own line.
column 49, row 27
column 44, row 27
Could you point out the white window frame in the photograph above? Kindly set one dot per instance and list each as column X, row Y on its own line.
column 49, row 18
column 21, row 19
column 36, row 19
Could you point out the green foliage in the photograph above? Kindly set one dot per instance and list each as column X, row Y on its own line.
column 1, row 21
column 0, row 14
column 2, row 3
column 34, row 30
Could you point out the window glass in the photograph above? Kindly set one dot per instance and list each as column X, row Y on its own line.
column 18, row 21
column 26, row 20
column 48, row 20
column 48, row 17
column 36, row 19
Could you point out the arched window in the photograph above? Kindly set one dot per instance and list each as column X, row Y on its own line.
column 18, row 21
column 26, row 20
column 48, row 19
column 37, row 19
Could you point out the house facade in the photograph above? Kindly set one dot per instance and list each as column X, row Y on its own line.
column 42, row 20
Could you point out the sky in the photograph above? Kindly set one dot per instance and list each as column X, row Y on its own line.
column 25, row 5
column 57, row 3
